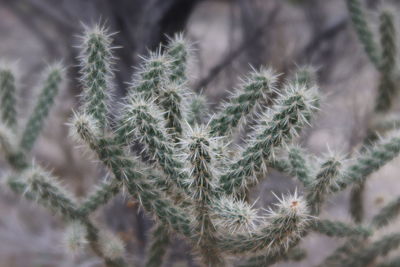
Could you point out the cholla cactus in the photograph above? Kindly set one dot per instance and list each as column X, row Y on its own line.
column 194, row 182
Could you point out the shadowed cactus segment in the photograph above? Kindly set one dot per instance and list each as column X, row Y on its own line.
column 324, row 180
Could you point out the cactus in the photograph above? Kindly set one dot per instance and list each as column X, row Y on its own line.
column 194, row 182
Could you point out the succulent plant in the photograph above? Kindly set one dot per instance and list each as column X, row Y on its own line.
column 195, row 182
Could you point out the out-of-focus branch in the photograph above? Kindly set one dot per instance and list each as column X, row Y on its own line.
column 31, row 24
column 329, row 33
column 236, row 52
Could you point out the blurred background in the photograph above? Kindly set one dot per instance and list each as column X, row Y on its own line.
column 228, row 36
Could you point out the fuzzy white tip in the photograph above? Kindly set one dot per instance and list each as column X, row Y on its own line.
column 111, row 245
column 83, row 127
column 37, row 176
column 11, row 67
column 233, row 216
column 75, row 238
column 290, row 206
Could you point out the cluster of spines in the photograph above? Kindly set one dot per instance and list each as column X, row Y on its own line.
column 230, row 215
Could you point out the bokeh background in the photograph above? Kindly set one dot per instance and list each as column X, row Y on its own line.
column 228, row 38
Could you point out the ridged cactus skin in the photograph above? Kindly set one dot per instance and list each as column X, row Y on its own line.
column 51, row 84
column 189, row 176
column 8, row 96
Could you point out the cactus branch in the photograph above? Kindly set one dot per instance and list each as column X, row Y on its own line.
column 8, row 101
column 389, row 212
column 372, row 159
column 363, row 31
column 387, row 86
column 293, row 109
column 367, row 255
column 100, row 197
column 299, row 165
column 54, row 76
column 324, row 180
column 255, row 90
column 339, row 229
column 96, row 72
